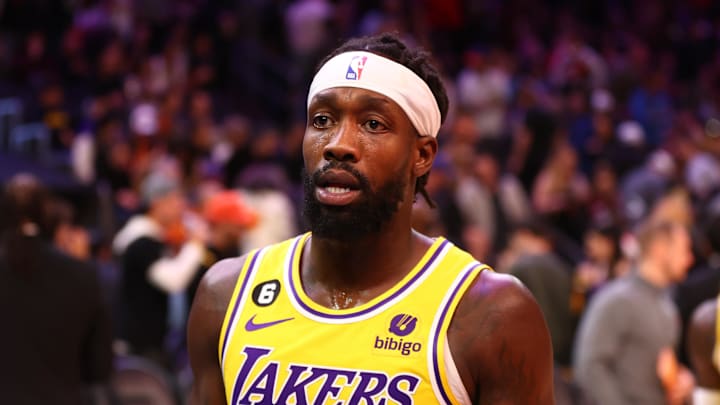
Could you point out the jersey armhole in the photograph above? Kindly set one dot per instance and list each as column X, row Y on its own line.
column 454, row 382
column 238, row 292
column 446, row 381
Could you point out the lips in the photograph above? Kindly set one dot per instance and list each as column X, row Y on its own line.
column 337, row 187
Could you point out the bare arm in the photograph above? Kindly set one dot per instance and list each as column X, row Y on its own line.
column 173, row 274
column 501, row 344
column 204, row 324
column 701, row 343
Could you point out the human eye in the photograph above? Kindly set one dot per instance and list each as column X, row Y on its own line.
column 374, row 125
column 321, row 121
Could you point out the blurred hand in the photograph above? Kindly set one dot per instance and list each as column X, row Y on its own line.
column 197, row 228
column 590, row 275
column 682, row 391
column 74, row 241
column 677, row 380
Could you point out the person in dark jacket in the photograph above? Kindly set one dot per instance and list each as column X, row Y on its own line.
column 56, row 335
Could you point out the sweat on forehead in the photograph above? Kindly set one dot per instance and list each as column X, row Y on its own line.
column 366, row 70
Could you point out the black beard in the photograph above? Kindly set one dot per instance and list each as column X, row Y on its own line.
column 361, row 218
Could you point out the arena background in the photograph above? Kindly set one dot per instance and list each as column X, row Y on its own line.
column 569, row 122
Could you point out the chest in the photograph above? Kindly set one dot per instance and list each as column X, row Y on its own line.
column 280, row 347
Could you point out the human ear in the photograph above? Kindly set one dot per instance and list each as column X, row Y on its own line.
column 426, row 148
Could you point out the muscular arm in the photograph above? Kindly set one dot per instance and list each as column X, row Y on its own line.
column 501, row 344
column 204, row 324
column 701, row 342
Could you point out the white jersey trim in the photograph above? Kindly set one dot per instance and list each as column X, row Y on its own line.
column 240, row 302
column 456, row 385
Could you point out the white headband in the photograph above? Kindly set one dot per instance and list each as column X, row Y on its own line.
column 373, row 72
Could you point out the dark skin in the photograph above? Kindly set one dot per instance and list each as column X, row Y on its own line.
column 498, row 337
column 700, row 345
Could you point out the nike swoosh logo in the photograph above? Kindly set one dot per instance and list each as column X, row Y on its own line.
column 250, row 325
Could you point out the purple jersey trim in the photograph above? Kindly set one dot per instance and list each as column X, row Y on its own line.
column 294, row 288
column 438, row 329
column 249, row 271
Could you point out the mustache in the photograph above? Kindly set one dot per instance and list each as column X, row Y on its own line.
column 344, row 166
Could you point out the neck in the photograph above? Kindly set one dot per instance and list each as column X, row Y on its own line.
column 358, row 263
column 360, row 269
column 653, row 273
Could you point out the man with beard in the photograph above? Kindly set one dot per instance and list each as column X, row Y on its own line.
column 363, row 309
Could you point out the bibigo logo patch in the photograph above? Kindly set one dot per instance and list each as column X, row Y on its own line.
column 401, row 325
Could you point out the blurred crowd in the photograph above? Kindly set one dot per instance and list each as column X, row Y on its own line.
column 570, row 124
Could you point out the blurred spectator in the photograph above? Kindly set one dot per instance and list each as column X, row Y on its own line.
column 228, row 217
column 491, row 200
column 264, row 188
column 549, row 280
column 574, row 63
column 646, row 184
column 651, row 106
column 532, row 145
column 237, row 135
column 158, row 256
column 624, row 352
column 702, row 175
column 604, row 205
column 601, row 246
column 68, row 237
column 561, row 192
column 483, row 87
column 306, row 22
column 57, row 337
column 441, row 188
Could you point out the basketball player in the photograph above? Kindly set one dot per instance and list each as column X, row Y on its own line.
column 704, row 352
column 363, row 309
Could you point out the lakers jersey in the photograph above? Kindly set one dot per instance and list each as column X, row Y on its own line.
column 277, row 346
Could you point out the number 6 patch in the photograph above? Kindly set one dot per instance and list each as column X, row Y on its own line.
column 266, row 293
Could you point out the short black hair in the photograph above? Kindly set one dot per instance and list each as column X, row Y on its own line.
column 389, row 45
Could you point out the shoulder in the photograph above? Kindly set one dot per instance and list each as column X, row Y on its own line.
column 496, row 299
column 217, row 285
column 705, row 314
column 80, row 272
column 211, row 301
column 492, row 326
column 143, row 249
column 204, row 328
column 701, row 342
column 702, row 324
column 617, row 294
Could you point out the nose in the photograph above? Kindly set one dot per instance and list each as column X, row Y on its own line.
column 343, row 145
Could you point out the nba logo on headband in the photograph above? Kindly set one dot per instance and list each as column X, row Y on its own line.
column 355, row 68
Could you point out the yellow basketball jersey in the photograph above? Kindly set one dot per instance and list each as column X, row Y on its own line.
column 277, row 346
